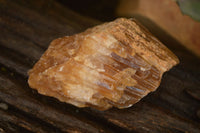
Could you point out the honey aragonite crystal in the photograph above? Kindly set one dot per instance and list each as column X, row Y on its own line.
column 113, row 64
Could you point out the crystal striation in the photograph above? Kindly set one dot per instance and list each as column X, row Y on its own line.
column 113, row 64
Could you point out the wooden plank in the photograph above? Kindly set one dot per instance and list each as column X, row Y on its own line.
column 26, row 30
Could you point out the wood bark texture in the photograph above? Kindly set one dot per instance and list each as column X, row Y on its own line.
column 27, row 28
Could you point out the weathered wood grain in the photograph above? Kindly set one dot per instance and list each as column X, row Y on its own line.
column 26, row 28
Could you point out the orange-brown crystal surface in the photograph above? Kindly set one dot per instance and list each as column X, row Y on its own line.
column 113, row 64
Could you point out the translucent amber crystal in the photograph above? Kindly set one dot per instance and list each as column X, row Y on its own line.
column 113, row 64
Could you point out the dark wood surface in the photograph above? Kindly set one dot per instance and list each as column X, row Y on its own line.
column 27, row 28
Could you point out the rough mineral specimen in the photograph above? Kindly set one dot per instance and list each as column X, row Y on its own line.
column 113, row 64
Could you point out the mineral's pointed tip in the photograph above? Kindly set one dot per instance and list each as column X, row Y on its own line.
column 113, row 64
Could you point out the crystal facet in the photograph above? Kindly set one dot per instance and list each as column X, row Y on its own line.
column 113, row 64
